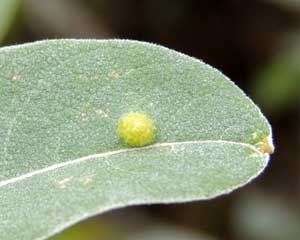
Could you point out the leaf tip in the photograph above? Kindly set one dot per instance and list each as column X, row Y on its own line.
column 266, row 145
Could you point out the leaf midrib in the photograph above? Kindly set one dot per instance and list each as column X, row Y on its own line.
column 125, row 150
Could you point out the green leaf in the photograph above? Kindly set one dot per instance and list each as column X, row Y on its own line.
column 277, row 85
column 167, row 233
column 8, row 9
column 93, row 229
column 61, row 159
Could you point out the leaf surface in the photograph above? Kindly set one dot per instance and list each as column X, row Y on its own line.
column 61, row 159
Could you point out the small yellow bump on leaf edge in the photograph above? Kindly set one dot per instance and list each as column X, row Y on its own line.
column 266, row 145
column 136, row 129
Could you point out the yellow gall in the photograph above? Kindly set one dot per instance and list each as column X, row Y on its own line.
column 136, row 129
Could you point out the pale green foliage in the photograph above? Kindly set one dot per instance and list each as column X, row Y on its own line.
column 61, row 157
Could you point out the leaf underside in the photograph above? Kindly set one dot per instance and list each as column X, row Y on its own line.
column 61, row 160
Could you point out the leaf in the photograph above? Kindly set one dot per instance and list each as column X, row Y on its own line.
column 93, row 229
column 292, row 5
column 8, row 9
column 277, row 86
column 61, row 159
column 167, row 233
column 265, row 216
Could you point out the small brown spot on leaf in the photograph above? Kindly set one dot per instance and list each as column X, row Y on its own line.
column 62, row 183
column 114, row 75
column 101, row 113
column 86, row 180
column 16, row 78
column 84, row 117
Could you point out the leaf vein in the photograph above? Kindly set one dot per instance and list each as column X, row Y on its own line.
column 126, row 150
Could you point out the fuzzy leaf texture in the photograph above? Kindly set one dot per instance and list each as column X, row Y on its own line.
column 61, row 159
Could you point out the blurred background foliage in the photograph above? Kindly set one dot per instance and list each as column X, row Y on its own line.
column 256, row 43
column 8, row 10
